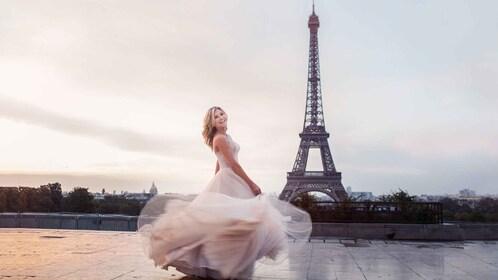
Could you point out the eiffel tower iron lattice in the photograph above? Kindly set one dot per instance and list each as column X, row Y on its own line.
column 313, row 136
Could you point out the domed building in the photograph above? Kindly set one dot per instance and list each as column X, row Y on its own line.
column 153, row 190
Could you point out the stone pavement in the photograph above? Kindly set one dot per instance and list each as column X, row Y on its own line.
column 73, row 254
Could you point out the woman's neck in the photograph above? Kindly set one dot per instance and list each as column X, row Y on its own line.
column 222, row 132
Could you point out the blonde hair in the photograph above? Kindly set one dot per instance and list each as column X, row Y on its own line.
column 209, row 129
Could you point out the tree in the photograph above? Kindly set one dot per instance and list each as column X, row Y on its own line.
column 407, row 210
column 39, row 200
column 345, row 209
column 485, row 210
column 23, row 199
column 55, row 194
column 13, row 201
column 110, row 205
column 26, row 199
column 79, row 200
column 131, row 208
column 450, row 208
column 489, row 208
column 119, row 205
column 306, row 201
column 3, row 200
column 401, row 196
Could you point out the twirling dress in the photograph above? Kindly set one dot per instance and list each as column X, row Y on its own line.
column 223, row 231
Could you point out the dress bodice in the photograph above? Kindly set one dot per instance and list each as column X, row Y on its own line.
column 235, row 151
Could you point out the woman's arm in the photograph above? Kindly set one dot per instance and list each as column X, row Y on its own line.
column 220, row 143
column 217, row 167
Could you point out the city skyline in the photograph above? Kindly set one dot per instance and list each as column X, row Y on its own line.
column 112, row 95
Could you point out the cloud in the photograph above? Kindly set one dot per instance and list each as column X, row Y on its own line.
column 120, row 138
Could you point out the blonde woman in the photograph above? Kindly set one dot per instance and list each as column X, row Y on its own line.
column 228, row 226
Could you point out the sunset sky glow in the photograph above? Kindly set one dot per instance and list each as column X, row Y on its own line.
column 112, row 94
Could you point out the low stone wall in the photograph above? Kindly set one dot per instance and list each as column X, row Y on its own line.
column 453, row 231
column 480, row 231
column 406, row 231
column 68, row 221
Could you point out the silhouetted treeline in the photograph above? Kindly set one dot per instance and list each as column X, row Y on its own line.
column 463, row 210
column 46, row 198
column 397, row 207
column 49, row 198
column 119, row 205
column 483, row 210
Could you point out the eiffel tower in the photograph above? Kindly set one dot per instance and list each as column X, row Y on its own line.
column 313, row 136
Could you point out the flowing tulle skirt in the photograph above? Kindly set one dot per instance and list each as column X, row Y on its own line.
column 223, row 231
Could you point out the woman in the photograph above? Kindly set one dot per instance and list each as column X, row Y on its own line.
column 228, row 226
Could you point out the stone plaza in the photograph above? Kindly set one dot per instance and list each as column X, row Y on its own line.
column 80, row 254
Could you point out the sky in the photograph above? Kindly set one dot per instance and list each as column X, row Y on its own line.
column 112, row 94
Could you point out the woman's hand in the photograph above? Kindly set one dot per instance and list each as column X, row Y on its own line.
column 255, row 189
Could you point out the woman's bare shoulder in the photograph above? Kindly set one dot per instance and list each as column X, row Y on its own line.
column 219, row 137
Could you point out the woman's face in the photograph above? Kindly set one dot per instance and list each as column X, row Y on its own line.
column 220, row 120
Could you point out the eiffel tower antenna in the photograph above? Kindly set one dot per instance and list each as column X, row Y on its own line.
column 314, row 136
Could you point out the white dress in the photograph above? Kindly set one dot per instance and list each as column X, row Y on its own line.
column 223, row 231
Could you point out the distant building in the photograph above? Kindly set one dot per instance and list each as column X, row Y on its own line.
column 349, row 190
column 363, row 196
column 467, row 193
column 137, row 196
column 360, row 196
column 153, row 190
column 430, row 198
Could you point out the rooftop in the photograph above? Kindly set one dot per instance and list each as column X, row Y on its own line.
column 79, row 254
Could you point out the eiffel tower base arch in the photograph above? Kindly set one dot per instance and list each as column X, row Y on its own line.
column 329, row 186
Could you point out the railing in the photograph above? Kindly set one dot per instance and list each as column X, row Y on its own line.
column 68, row 221
column 343, row 212
column 375, row 212
column 313, row 173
